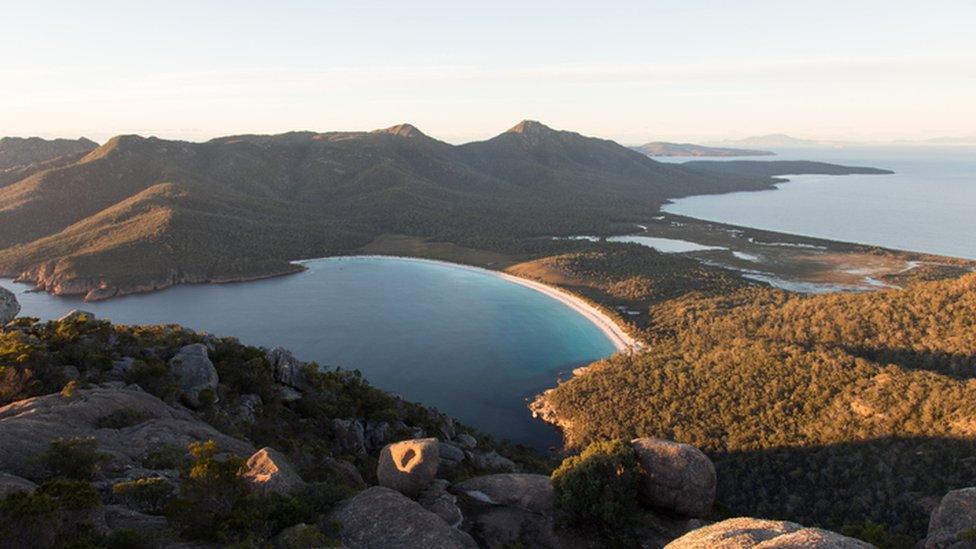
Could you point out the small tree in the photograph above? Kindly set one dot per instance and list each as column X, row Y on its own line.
column 75, row 458
column 209, row 490
column 598, row 488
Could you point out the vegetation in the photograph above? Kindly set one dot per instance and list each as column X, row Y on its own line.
column 75, row 458
column 136, row 210
column 597, row 489
column 829, row 410
column 56, row 515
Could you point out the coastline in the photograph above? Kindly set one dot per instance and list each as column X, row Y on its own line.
column 621, row 341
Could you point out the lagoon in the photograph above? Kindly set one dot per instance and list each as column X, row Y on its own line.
column 469, row 343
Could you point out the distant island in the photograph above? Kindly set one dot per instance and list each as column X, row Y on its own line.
column 661, row 148
column 762, row 168
column 779, row 140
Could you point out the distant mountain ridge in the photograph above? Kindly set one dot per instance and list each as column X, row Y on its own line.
column 779, row 140
column 22, row 156
column 138, row 214
column 663, row 148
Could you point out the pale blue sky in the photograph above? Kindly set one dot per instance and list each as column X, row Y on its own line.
column 630, row 71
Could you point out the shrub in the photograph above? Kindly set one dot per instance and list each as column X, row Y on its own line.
column 165, row 456
column 598, row 488
column 149, row 495
column 74, row 458
column 56, row 515
column 154, row 378
column 123, row 417
column 878, row 535
column 209, row 489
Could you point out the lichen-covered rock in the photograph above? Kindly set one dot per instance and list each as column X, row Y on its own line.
column 269, row 471
column 436, row 499
column 675, row 477
column 380, row 518
column 763, row 534
column 954, row 516
column 408, row 466
column 9, row 306
column 28, row 426
column 11, row 483
column 195, row 372
column 288, row 370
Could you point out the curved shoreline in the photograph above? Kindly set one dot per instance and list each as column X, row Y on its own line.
column 613, row 332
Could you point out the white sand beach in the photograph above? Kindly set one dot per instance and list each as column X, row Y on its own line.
column 617, row 336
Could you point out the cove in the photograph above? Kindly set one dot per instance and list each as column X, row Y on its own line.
column 466, row 342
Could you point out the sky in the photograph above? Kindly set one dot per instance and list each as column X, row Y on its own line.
column 462, row 71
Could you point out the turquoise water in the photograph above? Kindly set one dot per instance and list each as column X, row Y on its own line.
column 928, row 205
column 468, row 343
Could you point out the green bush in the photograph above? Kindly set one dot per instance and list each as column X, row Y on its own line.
column 56, row 515
column 209, row 489
column 165, row 456
column 149, row 495
column 124, row 417
column 598, row 488
column 75, row 458
column 878, row 535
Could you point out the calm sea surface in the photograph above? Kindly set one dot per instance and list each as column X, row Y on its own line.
column 470, row 344
column 928, row 205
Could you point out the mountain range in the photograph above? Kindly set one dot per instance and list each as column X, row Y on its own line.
column 138, row 214
column 662, row 148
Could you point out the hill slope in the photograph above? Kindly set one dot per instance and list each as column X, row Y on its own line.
column 831, row 409
column 144, row 213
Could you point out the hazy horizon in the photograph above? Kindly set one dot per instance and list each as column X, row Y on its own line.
column 631, row 72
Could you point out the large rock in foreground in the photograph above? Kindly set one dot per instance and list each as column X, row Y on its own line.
column 763, row 534
column 28, row 426
column 955, row 516
column 9, row 307
column 380, row 518
column 509, row 510
column 269, row 471
column 195, row 372
column 675, row 477
column 10, row 484
column 409, row 466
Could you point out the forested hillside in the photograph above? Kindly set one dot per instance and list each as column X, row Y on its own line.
column 143, row 213
column 830, row 409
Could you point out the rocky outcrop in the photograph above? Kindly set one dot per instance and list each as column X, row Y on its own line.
column 381, row 518
column 408, row 466
column 436, row 499
column 9, row 306
column 490, row 461
column 109, row 518
column 269, row 471
column 450, row 454
column 509, row 509
column 345, row 472
column 195, row 373
column 763, row 534
column 11, row 483
column 350, row 437
column 28, row 426
column 77, row 315
column 675, row 477
column 954, row 517
column 288, row 370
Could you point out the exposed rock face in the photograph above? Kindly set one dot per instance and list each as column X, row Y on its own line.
column 408, row 466
column 763, row 534
column 9, row 306
column 380, row 518
column 491, row 461
column 436, row 499
column 249, row 405
column 955, row 515
column 269, row 471
column 10, row 484
column 466, row 440
column 28, row 426
column 194, row 371
column 510, row 509
column 345, row 471
column 675, row 477
column 288, row 370
column 349, row 436
column 451, row 455
column 75, row 315
column 109, row 518
column 299, row 536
